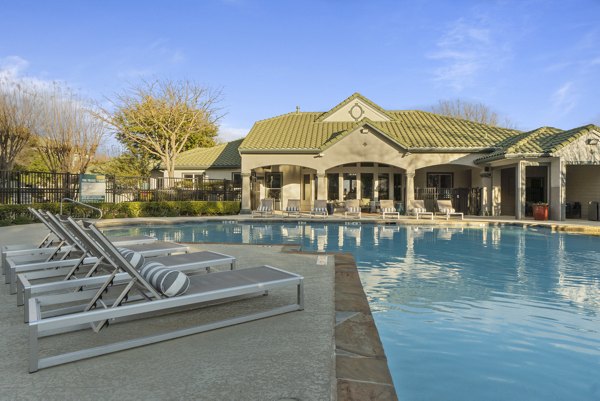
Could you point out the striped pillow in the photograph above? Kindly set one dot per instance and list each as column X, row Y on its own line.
column 388, row 210
column 168, row 281
column 353, row 209
column 136, row 259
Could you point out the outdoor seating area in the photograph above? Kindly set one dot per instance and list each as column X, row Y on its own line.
column 77, row 278
column 385, row 209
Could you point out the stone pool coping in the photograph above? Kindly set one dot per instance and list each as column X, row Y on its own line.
column 575, row 226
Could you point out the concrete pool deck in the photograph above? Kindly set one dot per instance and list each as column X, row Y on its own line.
column 286, row 357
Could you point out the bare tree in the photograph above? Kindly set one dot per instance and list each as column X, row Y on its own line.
column 17, row 121
column 163, row 118
column 477, row 112
column 69, row 131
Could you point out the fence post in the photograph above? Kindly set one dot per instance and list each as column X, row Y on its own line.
column 18, row 188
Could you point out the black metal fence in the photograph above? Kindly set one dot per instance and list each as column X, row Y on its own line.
column 25, row 187
column 465, row 200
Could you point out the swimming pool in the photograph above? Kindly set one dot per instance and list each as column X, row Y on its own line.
column 498, row 313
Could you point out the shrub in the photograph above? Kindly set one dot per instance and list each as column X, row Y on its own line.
column 18, row 214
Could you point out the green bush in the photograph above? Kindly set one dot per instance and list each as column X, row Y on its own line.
column 18, row 214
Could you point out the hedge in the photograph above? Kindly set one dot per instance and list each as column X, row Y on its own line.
column 18, row 214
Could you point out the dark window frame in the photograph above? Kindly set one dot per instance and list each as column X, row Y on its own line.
column 429, row 174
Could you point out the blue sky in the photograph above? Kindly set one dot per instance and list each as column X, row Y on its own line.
column 536, row 62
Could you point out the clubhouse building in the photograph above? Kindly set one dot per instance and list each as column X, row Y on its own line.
column 358, row 150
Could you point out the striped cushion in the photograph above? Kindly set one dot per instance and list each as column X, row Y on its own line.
column 320, row 210
column 136, row 259
column 168, row 281
column 420, row 210
column 293, row 209
column 447, row 210
column 388, row 210
column 354, row 209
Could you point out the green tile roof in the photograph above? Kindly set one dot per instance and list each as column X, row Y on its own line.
column 414, row 130
column 225, row 155
column 540, row 142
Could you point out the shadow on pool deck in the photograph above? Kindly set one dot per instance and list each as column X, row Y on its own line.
column 284, row 357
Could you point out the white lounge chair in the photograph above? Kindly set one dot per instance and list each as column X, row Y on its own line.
column 265, row 209
column 319, row 208
column 187, row 262
column 58, row 247
column 417, row 208
column 445, row 208
column 387, row 208
column 293, row 207
column 80, row 258
column 352, row 208
column 125, row 305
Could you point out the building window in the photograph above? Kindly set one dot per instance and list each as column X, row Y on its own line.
column 273, row 184
column 349, row 186
column 333, row 187
column 236, row 179
column 398, row 187
column 368, row 164
column 440, row 180
column 366, row 185
column 384, row 186
column 192, row 180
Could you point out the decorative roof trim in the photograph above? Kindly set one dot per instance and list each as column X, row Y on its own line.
column 349, row 99
column 280, row 151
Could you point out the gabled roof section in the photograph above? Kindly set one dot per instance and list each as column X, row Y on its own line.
column 225, row 155
column 415, row 130
column 362, row 103
column 541, row 142
column 361, row 124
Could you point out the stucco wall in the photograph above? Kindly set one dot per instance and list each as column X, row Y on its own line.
column 359, row 147
column 583, row 185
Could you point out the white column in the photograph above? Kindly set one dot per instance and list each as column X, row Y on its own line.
column 496, row 192
column 321, row 185
column 245, row 193
column 486, row 193
column 558, row 182
column 520, row 190
column 410, row 189
column 341, row 186
column 391, row 185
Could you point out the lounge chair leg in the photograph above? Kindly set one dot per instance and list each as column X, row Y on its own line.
column 301, row 295
column 33, row 349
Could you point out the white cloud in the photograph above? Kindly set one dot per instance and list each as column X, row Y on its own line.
column 464, row 51
column 227, row 133
column 564, row 99
column 13, row 69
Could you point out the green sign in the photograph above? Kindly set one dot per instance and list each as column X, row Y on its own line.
column 92, row 188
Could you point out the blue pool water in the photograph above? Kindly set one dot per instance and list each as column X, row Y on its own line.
column 464, row 314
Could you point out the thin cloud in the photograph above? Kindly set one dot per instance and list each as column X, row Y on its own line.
column 228, row 133
column 464, row 51
column 13, row 69
column 564, row 99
